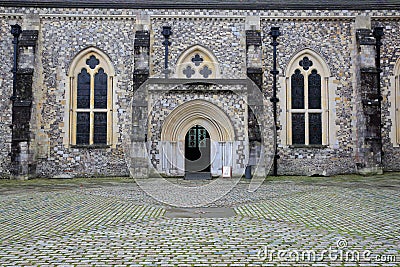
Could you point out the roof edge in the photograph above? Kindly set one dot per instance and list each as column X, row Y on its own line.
column 197, row 5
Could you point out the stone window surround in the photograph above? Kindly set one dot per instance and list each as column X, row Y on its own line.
column 76, row 66
column 208, row 60
column 323, row 70
column 395, row 107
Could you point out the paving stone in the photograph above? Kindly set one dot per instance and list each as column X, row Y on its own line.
column 120, row 226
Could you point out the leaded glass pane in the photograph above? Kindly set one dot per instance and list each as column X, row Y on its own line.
column 202, row 137
column 92, row 62
column 100, row 128
column 206, row 72
column 306, row 63
column 83, row 90
column 314, row 90
column 315, row 129
column 197, row 60
column 192, row 138
column 82, row 128
column 297, row 81
column 188, row 71
column 100, row 89
column 298, row 129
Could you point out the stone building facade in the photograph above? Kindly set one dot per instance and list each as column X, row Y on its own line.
column 94, row 95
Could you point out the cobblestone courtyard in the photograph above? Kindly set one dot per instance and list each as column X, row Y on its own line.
column 290, row 221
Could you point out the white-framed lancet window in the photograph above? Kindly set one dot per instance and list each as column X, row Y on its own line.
column 307, row 116
column 396, row 104
column 91, row 80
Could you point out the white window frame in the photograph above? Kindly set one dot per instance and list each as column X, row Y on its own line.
column 397, row 106
column 76, row 67
column 321, row 67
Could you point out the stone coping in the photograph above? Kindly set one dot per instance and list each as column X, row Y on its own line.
column 209, row 4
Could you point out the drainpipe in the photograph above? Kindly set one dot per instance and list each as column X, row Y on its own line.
column 15, row 149
column 166, row 32
column 275, row 33
column 378, row 33
column 16, row 32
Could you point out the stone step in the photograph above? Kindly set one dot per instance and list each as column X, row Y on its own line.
column 197, row 176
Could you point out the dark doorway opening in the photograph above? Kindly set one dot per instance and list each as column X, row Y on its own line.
column 197, row 150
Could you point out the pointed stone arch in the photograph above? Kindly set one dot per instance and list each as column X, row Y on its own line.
column 184, row 117
column 85, row 53
column 99, row 116
column 319, row 62
column 308, row 65
column 197, row 112
column 197, row 62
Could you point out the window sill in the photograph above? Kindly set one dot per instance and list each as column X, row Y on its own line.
column 308, row 146
column 91, row 146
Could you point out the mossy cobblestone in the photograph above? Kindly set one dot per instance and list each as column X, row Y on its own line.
column 116, row 224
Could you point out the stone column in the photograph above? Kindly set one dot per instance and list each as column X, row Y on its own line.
column 138, row 156
column 142, row 50
column 255, row 73
column 22, row 162
column 368, row 108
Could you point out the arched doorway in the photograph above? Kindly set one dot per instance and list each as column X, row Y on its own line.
column 197, row 150
column 220, row 136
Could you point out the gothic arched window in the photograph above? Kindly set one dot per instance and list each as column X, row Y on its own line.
column 91, row 81
column 197, row 62
column 307, row 101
